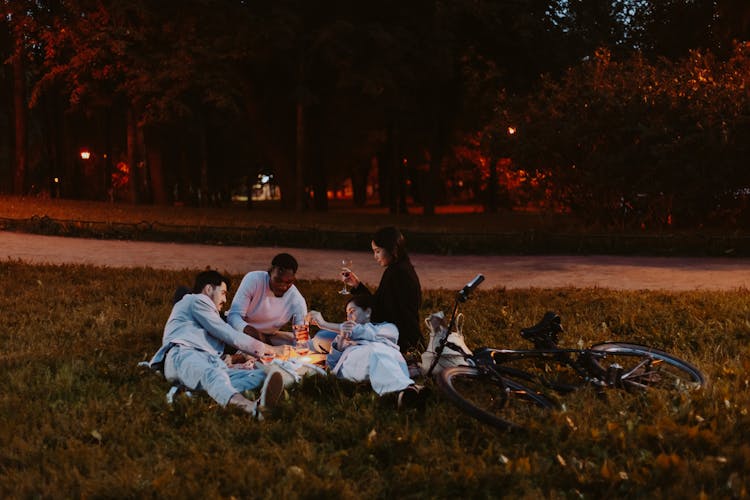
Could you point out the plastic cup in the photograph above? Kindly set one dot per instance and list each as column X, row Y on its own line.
column 302, row 337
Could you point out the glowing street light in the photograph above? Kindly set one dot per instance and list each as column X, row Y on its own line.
column 85, row 154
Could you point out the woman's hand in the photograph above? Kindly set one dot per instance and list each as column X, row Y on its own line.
column 315, row 318
column 349, row 278
column 346, row 329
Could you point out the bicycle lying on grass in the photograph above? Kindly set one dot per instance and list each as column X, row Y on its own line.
column 507, row 387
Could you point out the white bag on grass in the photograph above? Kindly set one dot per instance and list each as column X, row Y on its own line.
column 450, row 356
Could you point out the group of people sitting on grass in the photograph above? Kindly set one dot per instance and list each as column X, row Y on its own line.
column 380, row 328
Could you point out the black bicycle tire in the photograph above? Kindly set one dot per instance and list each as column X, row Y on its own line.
column 695, row 375
column 446, row 384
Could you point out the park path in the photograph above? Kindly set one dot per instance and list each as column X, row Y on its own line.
column 435, row 271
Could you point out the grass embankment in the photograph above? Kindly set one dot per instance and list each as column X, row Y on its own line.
column 454, row 230
column 82, row 420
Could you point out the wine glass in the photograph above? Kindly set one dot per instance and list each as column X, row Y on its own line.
column 346, row 265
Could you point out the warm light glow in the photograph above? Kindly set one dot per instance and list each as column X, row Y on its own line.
column 57, row 180
column 85, row 154
column 511, row 130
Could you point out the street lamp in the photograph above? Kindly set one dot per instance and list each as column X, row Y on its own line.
column 85, row 154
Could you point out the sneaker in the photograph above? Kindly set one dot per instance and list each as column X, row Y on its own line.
column 273, row 386
column 409, row 397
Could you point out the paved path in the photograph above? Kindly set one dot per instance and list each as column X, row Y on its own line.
column 451, row 272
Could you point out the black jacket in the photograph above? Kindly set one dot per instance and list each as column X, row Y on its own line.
column 397, row 300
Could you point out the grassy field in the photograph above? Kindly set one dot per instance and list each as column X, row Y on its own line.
column 81, row 419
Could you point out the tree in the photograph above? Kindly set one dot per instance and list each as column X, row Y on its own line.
column 18, row 19
column 615, row 131
column 139, row 60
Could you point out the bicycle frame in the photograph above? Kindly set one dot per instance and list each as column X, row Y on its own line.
column 578, row 360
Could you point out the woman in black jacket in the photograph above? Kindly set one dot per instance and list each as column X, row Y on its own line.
column 399, row 295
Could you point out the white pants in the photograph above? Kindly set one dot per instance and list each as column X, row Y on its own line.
column 383, row 366
column 196, row 369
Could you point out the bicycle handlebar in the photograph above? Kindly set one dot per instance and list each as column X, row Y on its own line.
column 470, row 286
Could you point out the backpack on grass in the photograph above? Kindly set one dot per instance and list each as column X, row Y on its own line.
column 455, row 349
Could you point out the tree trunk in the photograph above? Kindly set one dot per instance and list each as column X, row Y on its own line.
column 491, row 205
column 359, row 183
column 21, row 118
column 317, row 172
column 142, row 166
column 108, row 165
column 299, row 166
column 320, row 183
column 132, row 137
column 394, row 173
column 156, row 170
column 203, row 143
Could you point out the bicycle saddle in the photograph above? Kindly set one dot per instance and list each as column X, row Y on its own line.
column 544, row 334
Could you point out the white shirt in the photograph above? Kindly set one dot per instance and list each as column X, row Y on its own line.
column 255, row 304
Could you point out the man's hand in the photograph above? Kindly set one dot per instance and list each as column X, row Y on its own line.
column 250, row 330
column 281, row 351
column 283, row 337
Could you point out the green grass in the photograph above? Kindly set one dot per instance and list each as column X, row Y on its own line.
column 81, row 419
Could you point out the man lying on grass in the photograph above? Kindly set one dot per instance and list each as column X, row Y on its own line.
column 194, row 340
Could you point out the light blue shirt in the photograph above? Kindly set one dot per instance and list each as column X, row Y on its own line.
column 195, row 322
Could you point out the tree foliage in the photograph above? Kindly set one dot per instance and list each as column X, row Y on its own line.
column 608, row 103
column 612, row 132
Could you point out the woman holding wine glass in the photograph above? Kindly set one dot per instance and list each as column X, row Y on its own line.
column 398, row 297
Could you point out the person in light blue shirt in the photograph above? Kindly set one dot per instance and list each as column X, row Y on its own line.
column 367, row 351
column 193, row 343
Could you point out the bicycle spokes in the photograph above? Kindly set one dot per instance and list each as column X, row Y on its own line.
column 643, row 373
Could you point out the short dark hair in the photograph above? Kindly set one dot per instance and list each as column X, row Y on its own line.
column 209, row 277
column 391, row 239
column 284, row 261
column 361, row 300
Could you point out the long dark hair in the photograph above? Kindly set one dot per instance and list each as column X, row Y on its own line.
column 361, row 300
column 392, row 241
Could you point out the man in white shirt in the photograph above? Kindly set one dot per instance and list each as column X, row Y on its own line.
column 267, row 300
column 194, row 340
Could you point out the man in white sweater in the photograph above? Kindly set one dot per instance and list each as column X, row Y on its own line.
column 266, row 300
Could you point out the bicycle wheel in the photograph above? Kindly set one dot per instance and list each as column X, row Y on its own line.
column 494, row 400
column 634, row 366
